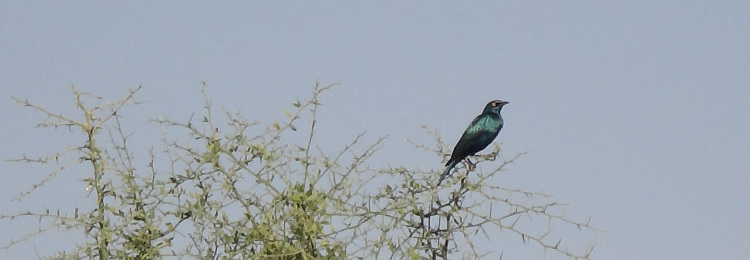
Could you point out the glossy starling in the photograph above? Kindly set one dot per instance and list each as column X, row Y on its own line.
column 480, row 133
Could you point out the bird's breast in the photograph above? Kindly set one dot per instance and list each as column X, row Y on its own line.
column 490, row 123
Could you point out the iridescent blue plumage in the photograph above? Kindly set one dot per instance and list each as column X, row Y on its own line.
column 480, row 133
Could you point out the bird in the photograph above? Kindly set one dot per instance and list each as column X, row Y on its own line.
column 477, row 136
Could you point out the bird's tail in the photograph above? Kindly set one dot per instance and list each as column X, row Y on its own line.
column 448, row 169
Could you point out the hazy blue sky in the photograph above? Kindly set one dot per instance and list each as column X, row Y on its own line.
column 634, row 112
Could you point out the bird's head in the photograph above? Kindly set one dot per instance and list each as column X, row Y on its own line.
column 494, row 106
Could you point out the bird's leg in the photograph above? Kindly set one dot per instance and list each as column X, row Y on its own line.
column 472, row 165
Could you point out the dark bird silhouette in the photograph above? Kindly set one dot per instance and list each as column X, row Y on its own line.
column 480, row 133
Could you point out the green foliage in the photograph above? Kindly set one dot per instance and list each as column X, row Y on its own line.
column 231, row 189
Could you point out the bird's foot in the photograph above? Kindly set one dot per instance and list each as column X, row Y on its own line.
column 472, row 166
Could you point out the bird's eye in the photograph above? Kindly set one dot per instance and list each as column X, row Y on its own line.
column 494, row 104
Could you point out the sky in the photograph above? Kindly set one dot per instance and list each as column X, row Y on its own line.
column 633, row 112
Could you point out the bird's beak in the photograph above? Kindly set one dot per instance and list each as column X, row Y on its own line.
column 504, row 102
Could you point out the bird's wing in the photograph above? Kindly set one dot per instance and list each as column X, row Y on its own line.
column 471, row 134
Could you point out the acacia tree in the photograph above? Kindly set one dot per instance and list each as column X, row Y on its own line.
column 229, row 188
